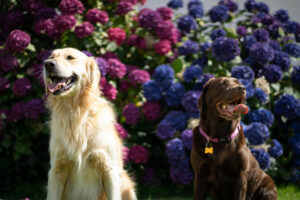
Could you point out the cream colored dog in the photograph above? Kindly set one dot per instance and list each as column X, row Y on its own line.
column 85, row 149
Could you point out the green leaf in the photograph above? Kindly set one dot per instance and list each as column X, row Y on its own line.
column 275, row 86
column 177, row 65
column 6, row 143
column 111, row 46
column 31, row 47
column 22, row 148
column 288, row 90
column 281, row 32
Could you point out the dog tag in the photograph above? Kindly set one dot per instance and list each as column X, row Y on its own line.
column 208, row 150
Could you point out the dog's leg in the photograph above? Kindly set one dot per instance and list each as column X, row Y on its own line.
column 111, row 174
column 201, row 187
column 58, row 177
column 240, row 190
column 128, row 190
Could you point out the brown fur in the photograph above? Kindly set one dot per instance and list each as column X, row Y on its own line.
column 231, row 172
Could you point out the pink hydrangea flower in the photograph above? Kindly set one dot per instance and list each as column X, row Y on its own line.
column 125, row 154
column 136, row 41
column 138, row 154
column 95, row 15
column 151, row 110
column 64, row 22
column 117, row 34
column 84, row 30
column 165, row 13
column 71, row 7
column 162, row 47
column 17, row 40
column 116, row 68
column 139, row 76
column 122, row 131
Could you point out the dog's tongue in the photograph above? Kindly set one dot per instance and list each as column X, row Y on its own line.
column 57, row 84
column 241, row 109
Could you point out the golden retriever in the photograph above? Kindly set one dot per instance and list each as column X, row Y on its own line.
column 85, row 149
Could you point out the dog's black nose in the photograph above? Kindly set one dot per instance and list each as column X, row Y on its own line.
column 50, row 66
column 242, row 88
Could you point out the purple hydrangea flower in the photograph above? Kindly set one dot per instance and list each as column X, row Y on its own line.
column 139, row 154
column 163, row 28
column 84, row 30
column 44, row 13
column 186, row 24
column 180, row 175
column 189, row 101
column 292, row 27
column 87, row 53
column 14, row 19
column 33, row 5
column 231, row 5
column 241, row 30
column 34, row 109
column 139, row 76
column 276, row 149
column 71, row 7
column 64, row 22
column 4, row 84
column 292, row 49
column 257, row 133
column 219, row 13
column 17, row 40
column 261, row 95
column 17, row 111
column 8, row 62
column 275, row 45
column 175, row 4
column 189, row 47
column 21, row 87
column 274, row 29
column 262, row 157
column 131, row 114
column 261, row 53
column 174, row 94
column 165, row 13
column 187, row 138
column 273, row 73
column 288, row 106
column 268, row 20
column 262, row 7
column 148, row 18
column 243, row 72
column 262, row 115
column 296, row 75
column 116, row 68
column 121, row 130
column 151, row 110
column 95, row 15
column 36, row 71
column 225, row 49
column 261, row 34
column 219, row 32
column 149, row 178
column 163, row 76
column 152, row 91
column 282, row 15
column 165, row 130
column 43, row 55
column 191, row 73
column 124, row 7
column 196, row 10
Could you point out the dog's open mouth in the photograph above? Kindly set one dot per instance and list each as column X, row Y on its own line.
column 233, row 109
column 58, row 85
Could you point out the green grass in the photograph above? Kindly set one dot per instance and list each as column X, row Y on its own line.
column 37, row 191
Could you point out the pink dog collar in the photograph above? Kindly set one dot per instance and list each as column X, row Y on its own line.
column 216, row 140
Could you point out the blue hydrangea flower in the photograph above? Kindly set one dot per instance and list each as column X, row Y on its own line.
column 262, row 115
column 295, row 125
column 202, row 62
column 175, row 149
column 262, row 157
column 248, row 41
column 276, row 149
column 186, row 24
column 273, row 73
column 189, row 47
column 250, row 5
column 194, row 3
column 163, row 76
column 275, row 45
column 219, row 32
column 174, row 94
column 202, row 81
column 152, row 91
column 292, row 49
column 261, row 95
column 219, row 13
column 262, row 7
column 175, row 4
column 282, row 15
column 257, row 133
column 191, row 73
column 243, row 72
column 231, row 5
column 181, row 175
column 261, row 34
column 295, row 178
column 165, row 130
column 288, row 106
column 225, row 49
column 189, row 101
column 296, row 75
column 177, row 119
column 295, row 144
column 292, row 27
column 205, row 46
column 249, row 87
column 196, row 10
column 261, row 53
column 282, row 59
column 187, row 138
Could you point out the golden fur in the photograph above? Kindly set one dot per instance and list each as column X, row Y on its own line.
column 85, row 149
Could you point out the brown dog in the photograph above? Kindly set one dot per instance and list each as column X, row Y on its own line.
column 224, row 166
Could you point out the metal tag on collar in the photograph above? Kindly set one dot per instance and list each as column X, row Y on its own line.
column 208, row 148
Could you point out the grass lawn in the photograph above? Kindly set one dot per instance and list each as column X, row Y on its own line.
column 37, row 192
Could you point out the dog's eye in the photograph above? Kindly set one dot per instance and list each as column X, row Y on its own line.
column 70, row 57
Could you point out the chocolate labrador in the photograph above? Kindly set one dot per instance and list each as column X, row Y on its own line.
column 224, row 166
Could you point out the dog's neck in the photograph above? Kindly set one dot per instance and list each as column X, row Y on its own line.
column 218, row 127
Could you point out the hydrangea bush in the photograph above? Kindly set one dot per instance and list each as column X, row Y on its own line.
column 153, row 66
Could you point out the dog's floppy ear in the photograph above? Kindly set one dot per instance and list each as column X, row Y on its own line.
column 93, row 73
column 201, row 101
